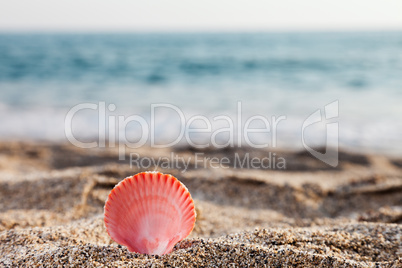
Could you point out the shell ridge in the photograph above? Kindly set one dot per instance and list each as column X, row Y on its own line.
column 149, row 212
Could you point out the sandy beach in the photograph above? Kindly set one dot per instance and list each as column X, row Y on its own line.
column 306, row 215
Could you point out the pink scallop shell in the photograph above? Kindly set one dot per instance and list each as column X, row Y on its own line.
column 149, row 213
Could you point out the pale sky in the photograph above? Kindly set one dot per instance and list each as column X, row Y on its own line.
column 200, row 15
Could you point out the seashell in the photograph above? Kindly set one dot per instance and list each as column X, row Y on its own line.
column 149, row 213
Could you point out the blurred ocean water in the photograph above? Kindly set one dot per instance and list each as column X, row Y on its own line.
column 42, row 76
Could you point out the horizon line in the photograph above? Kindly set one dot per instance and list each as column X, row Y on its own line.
column 198, row 30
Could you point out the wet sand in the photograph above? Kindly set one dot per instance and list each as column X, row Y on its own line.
column 307, row 215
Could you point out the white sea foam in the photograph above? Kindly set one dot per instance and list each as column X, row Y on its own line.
column 45, row 123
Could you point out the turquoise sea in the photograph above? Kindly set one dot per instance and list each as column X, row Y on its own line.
column 43, row 76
